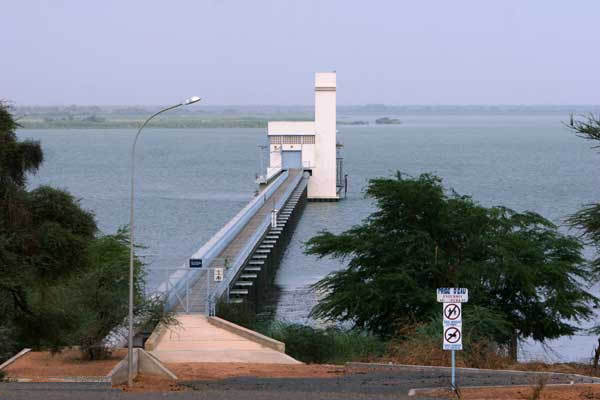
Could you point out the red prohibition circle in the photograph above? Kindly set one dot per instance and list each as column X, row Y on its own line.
column 452, row 335
column 452, row 311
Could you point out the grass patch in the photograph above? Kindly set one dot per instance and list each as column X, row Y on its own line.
column 331, row 345
column 242, row 314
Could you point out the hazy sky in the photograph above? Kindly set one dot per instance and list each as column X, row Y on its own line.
column 265, row 52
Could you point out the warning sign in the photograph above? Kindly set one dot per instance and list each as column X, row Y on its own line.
column 453, row 337
column 452, row 334
column 452, row 313
column 452, row 295
column 218, row 274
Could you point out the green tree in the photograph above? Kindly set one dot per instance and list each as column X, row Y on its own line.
column 43, row 235
column 60, row 282
column 587, row 219
column 516, row 265
column 99, row 296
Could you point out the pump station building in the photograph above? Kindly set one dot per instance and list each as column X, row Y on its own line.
column 311, row 145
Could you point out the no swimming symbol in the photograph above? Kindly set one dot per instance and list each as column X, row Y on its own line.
column 452, row 311
column 452, row 335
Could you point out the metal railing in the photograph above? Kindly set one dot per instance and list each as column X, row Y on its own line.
column 236, row 266
column 181, row 278
column 195, row 296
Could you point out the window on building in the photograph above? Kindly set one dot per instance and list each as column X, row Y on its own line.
column 292, row 139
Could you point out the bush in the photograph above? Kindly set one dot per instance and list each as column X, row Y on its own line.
column 424, row 350
column 239, row 313
column 302, row 342
column 8, row 344
column 421, row 344
column 332, row 345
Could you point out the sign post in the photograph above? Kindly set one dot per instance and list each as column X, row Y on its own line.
column 452, row 299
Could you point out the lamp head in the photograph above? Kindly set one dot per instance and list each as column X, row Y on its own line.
column 191, row 100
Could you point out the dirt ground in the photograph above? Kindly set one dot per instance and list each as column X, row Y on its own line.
column 571, row 392
column 217, row 371
column 36, row 364
column 214, row 371
column 68, row 363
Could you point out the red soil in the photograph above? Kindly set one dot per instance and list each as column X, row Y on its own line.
column 68, row 362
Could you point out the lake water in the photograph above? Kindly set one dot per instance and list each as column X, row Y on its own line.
column 190, row 182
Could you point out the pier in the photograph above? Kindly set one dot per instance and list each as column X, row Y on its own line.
column 235, row 269
column 246, row 251
column 239, row 263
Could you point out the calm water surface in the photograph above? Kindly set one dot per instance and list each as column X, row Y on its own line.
column 190, row 182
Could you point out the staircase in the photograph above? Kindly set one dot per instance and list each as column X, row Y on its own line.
column 261, row 266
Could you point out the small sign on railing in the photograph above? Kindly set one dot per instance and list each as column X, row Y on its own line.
column 218, row 274
column 195, row 263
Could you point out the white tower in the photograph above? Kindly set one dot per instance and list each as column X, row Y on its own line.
column 322, row 184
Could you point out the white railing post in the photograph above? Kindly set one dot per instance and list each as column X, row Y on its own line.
column 187, row 296
column 207, row 291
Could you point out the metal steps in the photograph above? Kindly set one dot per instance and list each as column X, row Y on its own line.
column 262, row 254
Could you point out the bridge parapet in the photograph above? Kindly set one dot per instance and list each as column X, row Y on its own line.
column 246, row 251
column 184, row 277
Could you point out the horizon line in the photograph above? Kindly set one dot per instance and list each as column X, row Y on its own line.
column 312, row 105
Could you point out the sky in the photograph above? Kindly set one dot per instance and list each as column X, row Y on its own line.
column 241, row 52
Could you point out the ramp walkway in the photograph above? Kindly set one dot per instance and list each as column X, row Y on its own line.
column 243, row 255
column 197, row 340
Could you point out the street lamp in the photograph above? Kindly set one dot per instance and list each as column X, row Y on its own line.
column 189, row 101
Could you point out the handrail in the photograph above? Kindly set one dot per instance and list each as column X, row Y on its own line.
column 246, row 251
column 186, row 276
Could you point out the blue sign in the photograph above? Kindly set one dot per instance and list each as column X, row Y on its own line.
column 195, row 263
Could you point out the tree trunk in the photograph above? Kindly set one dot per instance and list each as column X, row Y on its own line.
column 514, row 346
column 596, row 356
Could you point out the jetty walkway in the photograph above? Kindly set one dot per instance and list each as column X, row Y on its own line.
column 239, row 262
column 236, row 265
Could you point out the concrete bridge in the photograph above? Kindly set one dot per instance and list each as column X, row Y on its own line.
column 238, row 264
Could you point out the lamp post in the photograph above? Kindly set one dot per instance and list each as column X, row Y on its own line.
column 191, row 100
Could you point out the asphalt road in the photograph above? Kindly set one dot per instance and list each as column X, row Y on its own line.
column 386, row 383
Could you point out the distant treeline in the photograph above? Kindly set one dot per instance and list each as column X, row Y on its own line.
column 202, row 116
column 171, row 123
column 114, row 117
column 133, row 123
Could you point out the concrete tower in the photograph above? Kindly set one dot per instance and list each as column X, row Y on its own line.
column 309, row 145
column 322, row 184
